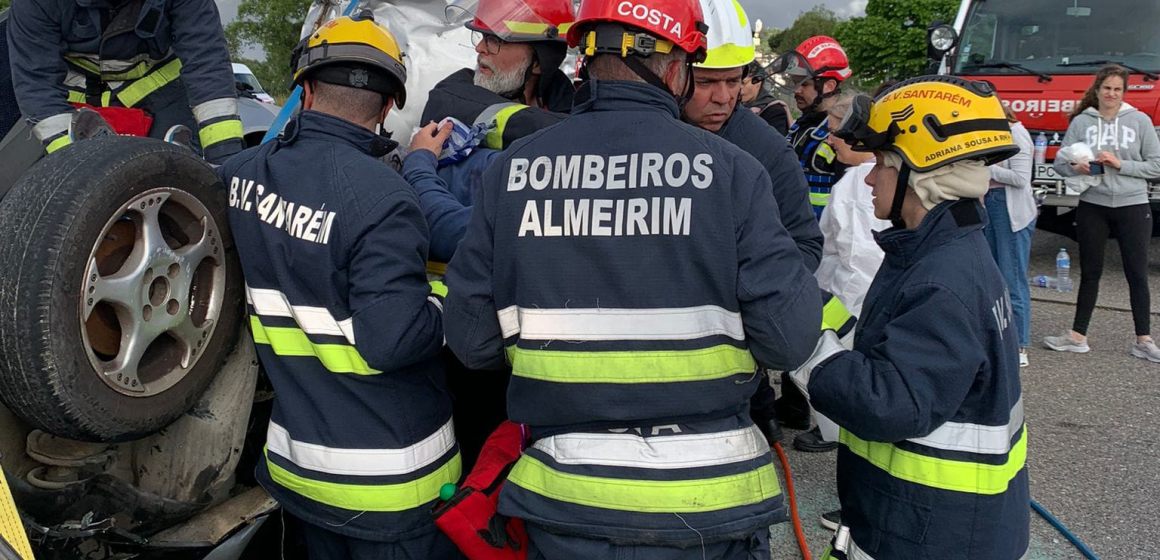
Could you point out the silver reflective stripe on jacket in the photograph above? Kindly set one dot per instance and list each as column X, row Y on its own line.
column 976, row 438
column 312, row 320
column 602, row 324
column 361, row 462
column 658, row 452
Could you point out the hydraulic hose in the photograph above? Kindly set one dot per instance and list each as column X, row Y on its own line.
column 797, row 520
column 1063, row 530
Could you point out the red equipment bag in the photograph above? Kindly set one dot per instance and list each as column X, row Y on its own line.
column 125, row 121
column 470, row 518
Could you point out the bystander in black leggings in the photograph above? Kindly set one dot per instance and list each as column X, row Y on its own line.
column 1132, row 227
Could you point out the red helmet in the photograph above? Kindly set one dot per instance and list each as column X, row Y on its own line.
column 679, row 22
column 825, row 58
column 519, row 20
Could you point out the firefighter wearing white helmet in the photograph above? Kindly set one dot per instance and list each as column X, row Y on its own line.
column 933, row 444
column 715, row 106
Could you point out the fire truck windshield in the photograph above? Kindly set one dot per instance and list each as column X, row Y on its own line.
column 1058, row 36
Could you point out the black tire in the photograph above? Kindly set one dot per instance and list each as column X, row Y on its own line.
column 49, row 225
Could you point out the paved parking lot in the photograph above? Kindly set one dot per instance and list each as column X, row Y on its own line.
column 1093, row 421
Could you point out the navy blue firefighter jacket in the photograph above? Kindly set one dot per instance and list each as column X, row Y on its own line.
column 334, row 247
column 932, row 461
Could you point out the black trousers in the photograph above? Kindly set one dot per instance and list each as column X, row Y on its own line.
column 1132, row 227
column 479, row 405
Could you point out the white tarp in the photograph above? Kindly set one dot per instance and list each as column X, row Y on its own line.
column 433, row 48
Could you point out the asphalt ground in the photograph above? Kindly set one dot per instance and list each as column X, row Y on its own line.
column 1093, row 420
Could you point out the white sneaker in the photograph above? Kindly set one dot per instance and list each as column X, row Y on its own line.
column 1065, row 343
column 1023, row 361
column 1147, row 351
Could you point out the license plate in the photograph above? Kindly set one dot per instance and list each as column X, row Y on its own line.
column 1046, row 172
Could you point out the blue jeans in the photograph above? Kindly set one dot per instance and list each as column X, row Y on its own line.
column 1011, row 250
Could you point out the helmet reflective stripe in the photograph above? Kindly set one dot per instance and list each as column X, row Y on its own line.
column 730, row 39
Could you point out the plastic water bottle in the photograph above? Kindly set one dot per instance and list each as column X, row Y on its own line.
column 1043, row 281
column 1041, row 149
column 1063, row 271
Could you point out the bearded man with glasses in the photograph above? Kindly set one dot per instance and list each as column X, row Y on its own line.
column 517, row 84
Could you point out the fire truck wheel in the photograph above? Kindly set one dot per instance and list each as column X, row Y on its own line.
column 120, row 290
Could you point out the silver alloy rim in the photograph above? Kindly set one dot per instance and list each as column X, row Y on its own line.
column 152, row 292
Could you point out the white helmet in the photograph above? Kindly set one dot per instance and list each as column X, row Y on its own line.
column 730, row 37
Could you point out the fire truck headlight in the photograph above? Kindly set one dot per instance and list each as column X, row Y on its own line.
column 943, row 38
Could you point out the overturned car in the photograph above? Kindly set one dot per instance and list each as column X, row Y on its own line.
column 133, row 407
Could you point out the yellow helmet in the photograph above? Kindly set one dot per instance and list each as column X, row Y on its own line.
column 932, row 121
column 354, row 52
column 730, row 39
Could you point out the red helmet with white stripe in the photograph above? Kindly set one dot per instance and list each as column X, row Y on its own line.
column 824, row 58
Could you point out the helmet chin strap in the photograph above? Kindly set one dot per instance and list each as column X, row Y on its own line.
column 820, row 87
column 900, row 187
column 633, row 63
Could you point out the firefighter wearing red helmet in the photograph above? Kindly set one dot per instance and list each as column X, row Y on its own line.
column 813, row 74
column 632, row 369
column 517, row 84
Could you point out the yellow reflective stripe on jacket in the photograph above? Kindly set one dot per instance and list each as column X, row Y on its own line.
column 290, row 341
column 133, row 93
column 834, row 314
column 826, row 152
column 11, row 527
column 364, row 497
column 819, row 199
column 657, row 366
column 647, row 496
column 80, row 97
column 57, row 144
column 945, row 474
column 494, row 139
column 439, row 288
column 220, row 132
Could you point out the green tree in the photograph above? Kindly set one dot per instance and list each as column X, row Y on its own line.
column 890, row 41
column 4, row 4
column 273, row 26
column 816, row 21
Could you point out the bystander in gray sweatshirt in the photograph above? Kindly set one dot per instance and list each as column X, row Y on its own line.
column 1132, row 138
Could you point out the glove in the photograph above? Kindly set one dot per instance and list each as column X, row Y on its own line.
column 828, row 346
column 837, row 335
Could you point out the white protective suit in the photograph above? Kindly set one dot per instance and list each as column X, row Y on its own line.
column 850, row 256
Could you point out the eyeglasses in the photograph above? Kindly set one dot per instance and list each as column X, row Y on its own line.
column 491, row 42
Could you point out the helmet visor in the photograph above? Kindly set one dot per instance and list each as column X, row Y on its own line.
column 855, row 127
column 788, row 71
column 510, row 20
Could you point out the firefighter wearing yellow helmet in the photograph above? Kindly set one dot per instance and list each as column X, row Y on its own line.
column 354, row 52
column 333, row 247
column 929, row 400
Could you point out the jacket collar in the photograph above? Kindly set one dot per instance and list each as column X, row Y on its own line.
column 312, row 125
column 615, row 95
column 948, row 221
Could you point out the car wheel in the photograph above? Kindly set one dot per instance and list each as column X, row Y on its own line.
column 120, row 293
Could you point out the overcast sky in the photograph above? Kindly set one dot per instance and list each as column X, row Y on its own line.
column 773, row 13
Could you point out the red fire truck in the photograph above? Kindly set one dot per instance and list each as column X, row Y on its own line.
column 1041, row 55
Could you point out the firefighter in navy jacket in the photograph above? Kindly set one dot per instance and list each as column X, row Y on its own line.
column 333, row 247
column 933, row 443
column 168, row 57
column 633, row 271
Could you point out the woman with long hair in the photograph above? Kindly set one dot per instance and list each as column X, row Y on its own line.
column 1127, row 156
column 1011, row 216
